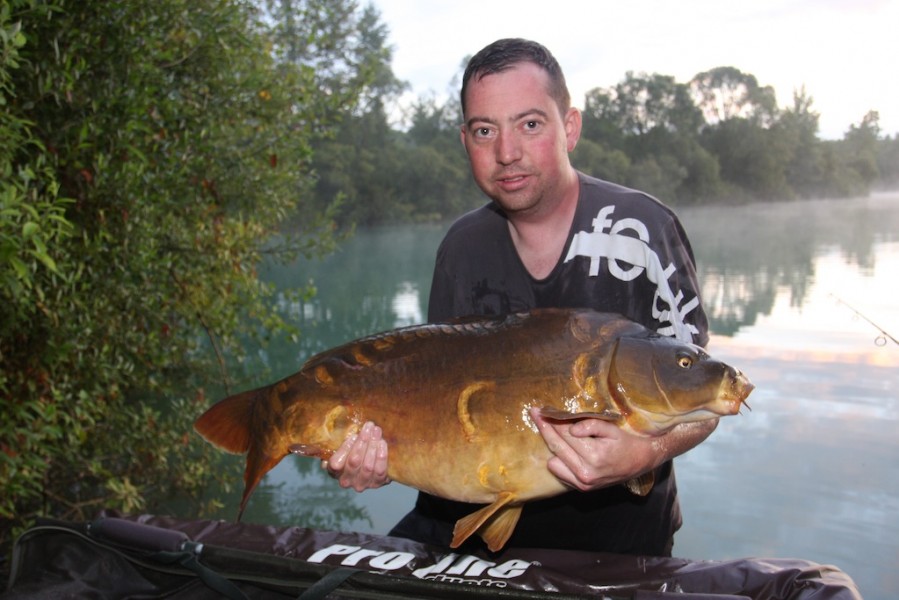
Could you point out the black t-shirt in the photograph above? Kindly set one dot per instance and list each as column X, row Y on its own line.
column 626, row 253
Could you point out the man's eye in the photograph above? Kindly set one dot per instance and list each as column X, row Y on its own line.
column 532, row 125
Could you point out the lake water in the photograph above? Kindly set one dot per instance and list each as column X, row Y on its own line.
column 811, row 472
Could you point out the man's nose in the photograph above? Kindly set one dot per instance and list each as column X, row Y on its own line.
column 508, row 148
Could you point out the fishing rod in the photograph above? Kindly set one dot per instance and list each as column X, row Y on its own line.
column 880, row 340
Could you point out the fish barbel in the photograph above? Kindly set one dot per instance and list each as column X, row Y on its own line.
column 453, row 401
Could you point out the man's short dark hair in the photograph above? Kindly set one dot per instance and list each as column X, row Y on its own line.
column 504, row 54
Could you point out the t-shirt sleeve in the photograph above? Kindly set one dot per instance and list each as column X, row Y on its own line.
column 691, row 324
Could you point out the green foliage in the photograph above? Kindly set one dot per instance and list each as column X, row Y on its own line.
column 797, row 128
column 861, row 147
column 31, row 214
column 386, row 176
column 748, row 157
column 595, row 158
column 151, row 152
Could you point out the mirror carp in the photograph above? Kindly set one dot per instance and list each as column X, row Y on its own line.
column 453, row 401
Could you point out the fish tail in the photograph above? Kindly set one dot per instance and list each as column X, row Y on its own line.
column 226, row 424
column 258, row 464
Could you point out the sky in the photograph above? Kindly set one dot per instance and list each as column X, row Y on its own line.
column 844, row 52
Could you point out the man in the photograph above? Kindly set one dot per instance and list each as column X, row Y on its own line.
column 553, row 237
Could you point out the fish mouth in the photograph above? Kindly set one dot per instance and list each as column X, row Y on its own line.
column 733, row 393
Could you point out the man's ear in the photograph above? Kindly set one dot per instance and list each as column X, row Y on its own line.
column 573, row 124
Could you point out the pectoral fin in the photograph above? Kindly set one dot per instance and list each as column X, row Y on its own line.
column 561, row 415
column 494, row 523
column 308, row 450
column 642, row 484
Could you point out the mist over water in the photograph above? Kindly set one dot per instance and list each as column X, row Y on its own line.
column 791, row 289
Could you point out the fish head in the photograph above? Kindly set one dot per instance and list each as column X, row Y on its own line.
column 658, row 382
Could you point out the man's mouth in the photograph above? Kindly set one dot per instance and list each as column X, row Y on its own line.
column 511, row 182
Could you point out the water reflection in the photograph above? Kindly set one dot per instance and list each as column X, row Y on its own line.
column 747, row 254
column 378, row 280
column 811, row 472
column 406, row 305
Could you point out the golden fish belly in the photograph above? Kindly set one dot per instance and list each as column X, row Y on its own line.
column 477, row 471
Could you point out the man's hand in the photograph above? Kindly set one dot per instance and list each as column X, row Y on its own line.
column 591, row 453
column 361, row 461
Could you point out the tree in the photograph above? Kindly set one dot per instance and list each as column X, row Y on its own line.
column 592, row 157
column 602, row 122
column 374, row 57
column 641, row 103
column 652, row 119
column 435, row 178
column 860, row 147
column 725, row 93
column 751, row 157
column 798, row 128
column 357, row 161
column 154, row 150
column 434, row 124
column 888, row 161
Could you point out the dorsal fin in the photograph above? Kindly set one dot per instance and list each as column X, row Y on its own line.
column 362, row 352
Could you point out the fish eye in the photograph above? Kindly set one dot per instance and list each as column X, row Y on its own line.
column 684, row 361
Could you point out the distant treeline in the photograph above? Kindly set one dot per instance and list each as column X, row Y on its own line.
column 719, row 138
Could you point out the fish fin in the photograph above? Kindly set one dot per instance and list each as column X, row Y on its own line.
column 561, row 415
column 226, row 424
column 641, row 485
column 500, row 523
column 309, row 450
column 258, row 464
column 499, row 529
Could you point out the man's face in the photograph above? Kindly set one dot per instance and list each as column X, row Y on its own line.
column 517, row 142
